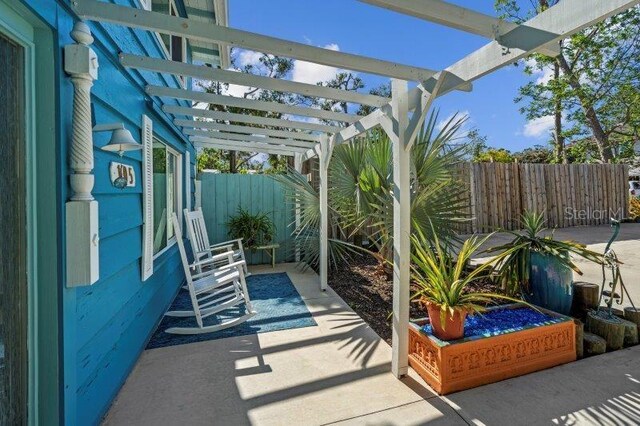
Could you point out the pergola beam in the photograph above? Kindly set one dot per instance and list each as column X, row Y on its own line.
column 419, row 100
column 249, row 130
column 209, row 32
column 420, row 111
column 551, row 26
column 231, row 101
column 326, row 148
column 248, row 138
column 229, row 145
column 363, row 125
column 457, row 17
column 401, row 154
column 251, row 119
column 248, row 80
column 554, row 24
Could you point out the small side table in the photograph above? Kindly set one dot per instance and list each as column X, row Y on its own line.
column 270, row 249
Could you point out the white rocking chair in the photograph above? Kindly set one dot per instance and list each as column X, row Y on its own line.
column 215, row 284
column 199, row 239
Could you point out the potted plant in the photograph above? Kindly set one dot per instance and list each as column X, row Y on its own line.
column 254, row 229
column 540, row 267
column 443, row 281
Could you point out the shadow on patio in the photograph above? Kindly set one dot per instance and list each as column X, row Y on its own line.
column 338, row 370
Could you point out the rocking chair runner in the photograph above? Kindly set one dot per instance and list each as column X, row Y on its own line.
column 215, row 284
column 199, row 239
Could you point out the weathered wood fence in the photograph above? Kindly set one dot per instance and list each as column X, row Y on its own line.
column 222, row 194
column 567, row 194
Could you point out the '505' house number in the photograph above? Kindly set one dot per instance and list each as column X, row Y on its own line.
column 122, row 175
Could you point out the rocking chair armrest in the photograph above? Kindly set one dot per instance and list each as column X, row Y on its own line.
column 221, row 246
column 225, row 244
column 212, row 259
column 238, row 264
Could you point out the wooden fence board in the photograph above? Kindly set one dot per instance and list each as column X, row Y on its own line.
column 567, row 194
column 223, row 194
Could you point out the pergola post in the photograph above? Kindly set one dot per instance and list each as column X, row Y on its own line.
column 297, row 165
column 325, row 157
column 400, row 141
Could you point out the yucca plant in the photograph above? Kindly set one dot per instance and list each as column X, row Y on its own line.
column 514, row 270
column 443, row 280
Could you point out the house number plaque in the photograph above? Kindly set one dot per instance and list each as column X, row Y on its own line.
column 122, row 175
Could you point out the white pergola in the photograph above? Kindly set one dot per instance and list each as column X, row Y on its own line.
column 400, row 117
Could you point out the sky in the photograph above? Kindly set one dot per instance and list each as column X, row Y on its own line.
column 355, row 27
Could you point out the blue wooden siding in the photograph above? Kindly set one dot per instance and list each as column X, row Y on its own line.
column 106, row 326
column 222, row 194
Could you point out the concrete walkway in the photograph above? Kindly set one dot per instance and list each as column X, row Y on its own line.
column 338, row 373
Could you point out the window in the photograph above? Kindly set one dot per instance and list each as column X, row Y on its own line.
column 175, row 47
column 166, row 194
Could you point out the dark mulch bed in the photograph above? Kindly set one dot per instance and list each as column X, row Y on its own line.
column 364, row 286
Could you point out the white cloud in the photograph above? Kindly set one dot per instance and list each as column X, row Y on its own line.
column 459, row 115
column 248, row 57
column 304, row 72
column 538, row 126
column 236, row 90
column 308, row 72
column 542, row 76
column 304, row 119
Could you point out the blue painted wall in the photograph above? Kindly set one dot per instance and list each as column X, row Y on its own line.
column 106, row 326
column 223, row 193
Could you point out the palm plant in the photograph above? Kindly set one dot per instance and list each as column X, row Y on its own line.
column 303, row 196
column 514, row 270
column 361, row 191
column 443, row 278
column 363, row 171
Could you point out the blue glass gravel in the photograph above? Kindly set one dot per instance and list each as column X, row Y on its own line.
column 500, row 321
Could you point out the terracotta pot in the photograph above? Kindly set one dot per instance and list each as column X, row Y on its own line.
column 452, row 329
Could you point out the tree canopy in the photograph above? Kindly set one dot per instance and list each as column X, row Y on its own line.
column 592, row 89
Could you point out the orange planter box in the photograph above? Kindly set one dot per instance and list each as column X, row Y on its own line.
column 469, row 362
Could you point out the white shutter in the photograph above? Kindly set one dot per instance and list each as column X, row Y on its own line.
column 187, row 179
column 147, row 197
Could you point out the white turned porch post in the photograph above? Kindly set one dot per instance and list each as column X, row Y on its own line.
column 401, row 227
column 82, row 240
column 81, row 64
column 297, row 165
column 325, row 157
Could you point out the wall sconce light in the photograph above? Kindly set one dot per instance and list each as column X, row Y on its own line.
column 121, row 139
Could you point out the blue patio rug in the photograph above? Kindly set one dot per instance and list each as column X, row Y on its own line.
column 274, row 298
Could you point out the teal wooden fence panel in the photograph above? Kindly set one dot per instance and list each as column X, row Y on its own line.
column 223, row 194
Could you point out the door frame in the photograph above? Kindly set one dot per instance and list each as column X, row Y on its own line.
column 18, row 30
column 41, row 165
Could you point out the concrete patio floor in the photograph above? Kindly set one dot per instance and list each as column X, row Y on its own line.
column 335, row 372
column 338, row 373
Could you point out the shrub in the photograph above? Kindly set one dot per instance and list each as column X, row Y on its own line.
column 634, row 208
column 255, row 229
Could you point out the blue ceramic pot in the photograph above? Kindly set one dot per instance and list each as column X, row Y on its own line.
column 551, row 284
